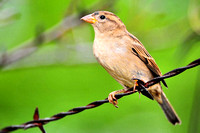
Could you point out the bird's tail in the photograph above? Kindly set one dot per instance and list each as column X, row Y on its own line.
column 168, row 110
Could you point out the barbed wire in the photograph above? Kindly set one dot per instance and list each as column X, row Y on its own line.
column 37, row 122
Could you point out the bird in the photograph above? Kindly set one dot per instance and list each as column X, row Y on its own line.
column 125, row 58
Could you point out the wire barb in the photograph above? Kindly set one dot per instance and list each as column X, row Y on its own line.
column 37, row 122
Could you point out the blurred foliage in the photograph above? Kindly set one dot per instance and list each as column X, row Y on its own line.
column 60, row 72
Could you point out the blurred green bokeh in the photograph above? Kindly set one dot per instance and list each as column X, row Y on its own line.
column 62, row 73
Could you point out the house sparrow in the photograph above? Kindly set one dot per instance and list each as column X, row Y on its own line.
column 124, row 58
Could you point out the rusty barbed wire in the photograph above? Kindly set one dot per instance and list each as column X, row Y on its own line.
column 37, row 122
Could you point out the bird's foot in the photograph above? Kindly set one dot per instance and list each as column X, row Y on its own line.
column 112, row 99
column 139, row 85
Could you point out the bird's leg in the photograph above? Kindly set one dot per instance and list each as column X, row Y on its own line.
column 112, row 99
column 136, row 85
column 139, row 85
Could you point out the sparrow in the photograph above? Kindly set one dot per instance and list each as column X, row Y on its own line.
column 125, row 58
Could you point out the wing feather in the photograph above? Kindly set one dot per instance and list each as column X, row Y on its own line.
column 142, row 53
column 139, row 50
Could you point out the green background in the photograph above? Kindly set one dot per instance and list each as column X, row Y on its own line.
column 63, row 73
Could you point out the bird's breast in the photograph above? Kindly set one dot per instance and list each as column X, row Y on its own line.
column 119, row 61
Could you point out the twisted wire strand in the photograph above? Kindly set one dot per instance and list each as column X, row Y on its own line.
column 37, row 122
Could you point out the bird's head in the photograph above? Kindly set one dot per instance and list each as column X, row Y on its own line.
column 104, row 21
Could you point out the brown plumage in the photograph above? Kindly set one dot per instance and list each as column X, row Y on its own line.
column 124, row 58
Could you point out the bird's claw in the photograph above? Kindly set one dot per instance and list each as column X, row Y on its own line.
column 139, row 84
column 112, row 99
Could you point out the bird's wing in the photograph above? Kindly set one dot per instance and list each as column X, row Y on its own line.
column 143, row 54
column 139, row 50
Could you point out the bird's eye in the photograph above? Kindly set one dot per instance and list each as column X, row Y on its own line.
column 102, row 17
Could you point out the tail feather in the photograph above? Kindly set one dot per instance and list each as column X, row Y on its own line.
column 169, row 111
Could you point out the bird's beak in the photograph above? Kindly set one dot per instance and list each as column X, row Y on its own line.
column 89, row 18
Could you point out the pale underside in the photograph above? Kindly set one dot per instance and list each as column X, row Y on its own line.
column 119, row 61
